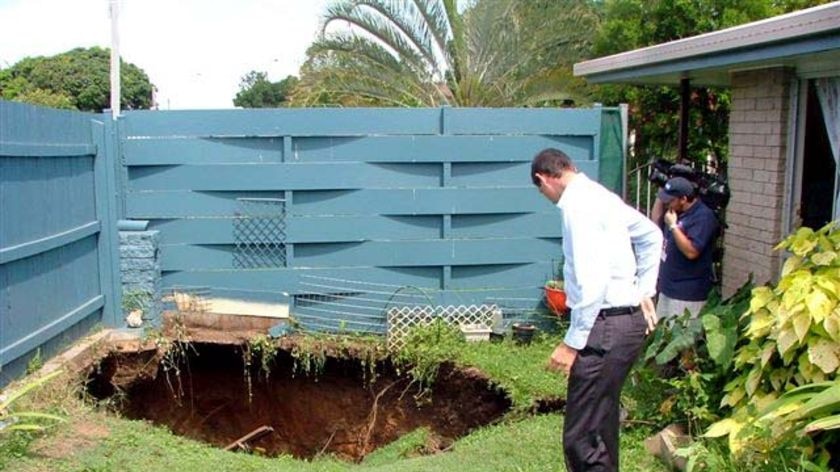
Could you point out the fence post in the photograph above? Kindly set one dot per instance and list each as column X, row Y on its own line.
column 446, row 225
column 106, row 194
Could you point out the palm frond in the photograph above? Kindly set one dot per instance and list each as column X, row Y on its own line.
column 406, row 52
column 437, row 26
column 413, row 22
column 347, row 73
column 364, row 48
column 375, row 22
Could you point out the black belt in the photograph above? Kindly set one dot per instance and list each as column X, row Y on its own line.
column 619, row 310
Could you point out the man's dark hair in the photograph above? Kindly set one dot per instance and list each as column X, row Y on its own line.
column 551, row 162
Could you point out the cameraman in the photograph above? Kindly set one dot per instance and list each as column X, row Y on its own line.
column 691, row 228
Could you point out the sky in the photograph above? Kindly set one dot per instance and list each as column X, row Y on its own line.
column 194, row 51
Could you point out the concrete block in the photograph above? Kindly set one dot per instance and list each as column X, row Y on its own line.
column 137, row 251
column 665, row 443
column 148, row 287
column 139, row 264
column 138, row 277
column 145, row 237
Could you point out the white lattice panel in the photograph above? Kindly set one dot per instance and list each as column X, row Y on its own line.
column 402, row 319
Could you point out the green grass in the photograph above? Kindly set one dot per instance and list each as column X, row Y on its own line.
column 531, row 444
column 519, row 370
column 521, row 442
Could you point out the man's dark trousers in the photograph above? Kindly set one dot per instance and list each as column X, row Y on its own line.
column 590, row 431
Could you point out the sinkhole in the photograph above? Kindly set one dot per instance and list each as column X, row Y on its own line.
column 340, row 408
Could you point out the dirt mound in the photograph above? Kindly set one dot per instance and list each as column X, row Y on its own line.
column 338, row 411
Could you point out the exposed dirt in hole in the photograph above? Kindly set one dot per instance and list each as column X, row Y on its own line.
column 336, row 412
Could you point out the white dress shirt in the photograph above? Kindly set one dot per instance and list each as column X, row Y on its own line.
column 611, row 254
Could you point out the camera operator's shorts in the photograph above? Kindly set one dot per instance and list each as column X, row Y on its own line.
column 668, row 307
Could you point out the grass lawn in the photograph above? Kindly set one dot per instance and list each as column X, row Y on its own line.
column 93, row 440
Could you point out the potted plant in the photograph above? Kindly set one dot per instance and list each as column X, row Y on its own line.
column 555, row 297
column 523, row 332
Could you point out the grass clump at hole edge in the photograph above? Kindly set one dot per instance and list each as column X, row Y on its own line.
column 520, row 370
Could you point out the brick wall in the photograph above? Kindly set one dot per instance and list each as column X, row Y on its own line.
column 758, row 126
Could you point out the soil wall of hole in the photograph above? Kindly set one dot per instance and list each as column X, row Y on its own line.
column 339, row 411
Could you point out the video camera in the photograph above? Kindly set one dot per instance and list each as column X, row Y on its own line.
column 711, row 188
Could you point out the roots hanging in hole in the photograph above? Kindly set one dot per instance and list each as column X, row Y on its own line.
column 227, row 391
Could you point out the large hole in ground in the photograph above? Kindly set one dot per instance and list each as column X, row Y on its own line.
column 338, row 410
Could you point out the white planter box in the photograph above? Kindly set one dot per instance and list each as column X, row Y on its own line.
column 476, row 332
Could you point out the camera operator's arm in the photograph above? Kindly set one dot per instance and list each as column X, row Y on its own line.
column 657, row 212
column 683, row 243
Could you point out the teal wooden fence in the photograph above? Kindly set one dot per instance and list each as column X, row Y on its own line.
column 337, row 213
column 57, row 231
column 357, row 208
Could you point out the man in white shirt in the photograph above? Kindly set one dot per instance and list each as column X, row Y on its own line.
column 611, row 262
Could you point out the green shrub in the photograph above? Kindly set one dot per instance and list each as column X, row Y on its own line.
column 692, row 358
column 790, row 344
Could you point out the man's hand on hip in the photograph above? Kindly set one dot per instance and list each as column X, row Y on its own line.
column 649, row 310
column 562, row 358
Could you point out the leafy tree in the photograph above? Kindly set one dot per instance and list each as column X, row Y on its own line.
column 256, row 91
column 654, row 111
column 427, row 53
column 45, row 98
column 78, row 79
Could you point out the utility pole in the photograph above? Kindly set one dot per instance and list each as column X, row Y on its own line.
column 115, row 59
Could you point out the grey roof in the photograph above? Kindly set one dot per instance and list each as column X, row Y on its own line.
column 808, row 40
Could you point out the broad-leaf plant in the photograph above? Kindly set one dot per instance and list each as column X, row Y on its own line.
column 788, row 357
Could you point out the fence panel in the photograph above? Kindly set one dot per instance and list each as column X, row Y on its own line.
column 370, row 203
column 54, row 233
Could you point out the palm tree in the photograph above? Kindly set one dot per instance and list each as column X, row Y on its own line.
column 427, row 53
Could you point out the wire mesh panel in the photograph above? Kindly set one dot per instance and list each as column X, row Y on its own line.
column 188, row 299
column 259, row 233
column 334, row 304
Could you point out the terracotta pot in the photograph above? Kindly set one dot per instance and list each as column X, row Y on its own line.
column 555, row 300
